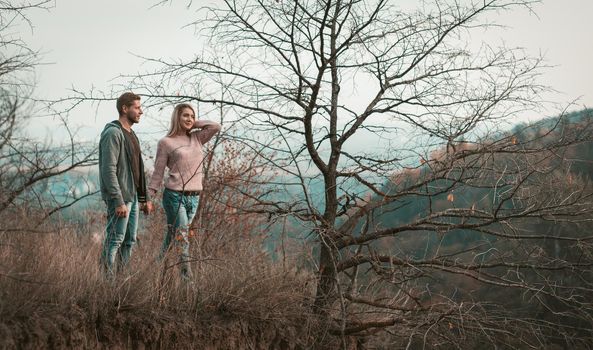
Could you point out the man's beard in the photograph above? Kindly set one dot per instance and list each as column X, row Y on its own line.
column 131, row 120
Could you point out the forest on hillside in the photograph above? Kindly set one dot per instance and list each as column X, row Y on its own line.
column 474, row 263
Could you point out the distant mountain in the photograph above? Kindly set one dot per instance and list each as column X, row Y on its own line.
column 77, row 187
column 409, row 208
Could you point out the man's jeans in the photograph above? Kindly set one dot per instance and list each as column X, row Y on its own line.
column 120, row 236
column 180, row 210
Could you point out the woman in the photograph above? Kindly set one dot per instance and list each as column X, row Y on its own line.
column 182, row 152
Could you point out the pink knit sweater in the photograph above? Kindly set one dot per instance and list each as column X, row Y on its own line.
column 183, row 155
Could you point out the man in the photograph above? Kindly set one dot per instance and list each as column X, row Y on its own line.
column 123, row 184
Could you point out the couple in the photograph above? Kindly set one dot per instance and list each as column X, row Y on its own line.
column 123, row 184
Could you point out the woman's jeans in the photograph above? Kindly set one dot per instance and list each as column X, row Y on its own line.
column 180, row 210
column 120, row 236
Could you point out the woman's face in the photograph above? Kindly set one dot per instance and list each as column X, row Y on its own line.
column 187, row 119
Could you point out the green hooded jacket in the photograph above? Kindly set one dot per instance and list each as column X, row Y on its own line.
column 115, row 173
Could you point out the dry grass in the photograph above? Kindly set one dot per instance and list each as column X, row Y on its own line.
column 50, row 284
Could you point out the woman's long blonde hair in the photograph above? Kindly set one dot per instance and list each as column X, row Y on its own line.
column 177, row 111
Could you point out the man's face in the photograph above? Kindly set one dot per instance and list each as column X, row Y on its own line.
column 133, row 112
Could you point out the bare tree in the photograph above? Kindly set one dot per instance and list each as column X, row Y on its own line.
column 389, row 132
column 28, row 166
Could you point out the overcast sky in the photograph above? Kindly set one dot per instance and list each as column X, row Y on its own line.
column 87, row 44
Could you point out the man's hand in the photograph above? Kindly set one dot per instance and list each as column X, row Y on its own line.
column 147, row 208
column 121, row 211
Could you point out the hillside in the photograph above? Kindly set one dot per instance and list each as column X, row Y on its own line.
column 54, row 296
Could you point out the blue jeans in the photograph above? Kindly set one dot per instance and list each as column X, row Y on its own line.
column 180, row 210
column 120, row 236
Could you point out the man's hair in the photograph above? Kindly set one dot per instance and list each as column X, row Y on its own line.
column 126, row 99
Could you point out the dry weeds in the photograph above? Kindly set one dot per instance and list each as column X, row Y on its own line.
column 53, row 294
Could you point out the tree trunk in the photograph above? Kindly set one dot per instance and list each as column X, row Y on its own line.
column 327, row 279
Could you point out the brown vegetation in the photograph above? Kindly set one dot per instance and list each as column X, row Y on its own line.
column 418, row 264
column 54, row 296
column 303, row 84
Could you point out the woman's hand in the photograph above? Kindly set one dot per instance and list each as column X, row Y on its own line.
column 147, row 208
